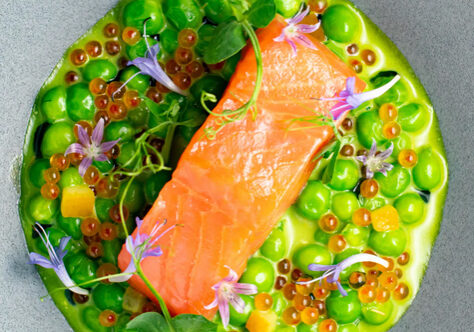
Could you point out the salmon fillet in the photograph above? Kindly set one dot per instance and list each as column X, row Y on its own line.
column 229, row 192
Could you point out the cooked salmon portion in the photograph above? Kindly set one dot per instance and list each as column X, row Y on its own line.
column 228, row 193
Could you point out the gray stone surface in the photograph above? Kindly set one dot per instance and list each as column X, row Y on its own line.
column 437, row 37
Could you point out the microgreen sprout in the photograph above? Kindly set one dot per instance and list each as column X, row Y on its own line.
column 227, row 292
column 294, row 32
column 332, row 272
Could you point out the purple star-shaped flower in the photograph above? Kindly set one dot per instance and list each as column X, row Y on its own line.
column 375, row 162
column 55, row 261
column 227, row 291
column 91, row 148
column 142, row 246
column 293, row 33
column 150, row 66
column 349, row 99
column 332, row 272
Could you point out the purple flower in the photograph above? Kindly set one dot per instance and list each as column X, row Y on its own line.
column 375, row 162
column 294, row 33
column 349, row 100
column 149, row 66
column 142, row 246
column 332, row 272
column 55, row 261
column 227, row 291
column 91, row 148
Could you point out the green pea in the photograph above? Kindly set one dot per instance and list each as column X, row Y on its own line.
column 108, row 297
column 80, row 268
column 396, row 181
column 154, row 185
column 397, row 94
column 373, row 203
column 42, row 210
column 139, row 50
column 321, row 236
column 158, row 117
column 427, row 172
column 36, row 172
column 211, row 84
column 342, row 256
column 119, row 130
column 205, row 34
column 194, row 115
column 311, row 254
column 410, row 208
column 90, row 316
column 237, row 318
column 102, row 207
column 287, row 8
column 344, row 204
column 259, row 272
column 80, row 103
column 304, row 328
column 53, row 104
column 138, row 117
column 183, row 13
column 57, row 138
column 230, row 65
column 369, row 128
column 70, row 178
column 72, row 226
column 377, row 313
column 347, row 328
column 345, row 176
column 217, row 11
column 279, row 303
column 140, row 82
column 101, row 68
column 137, row 12
column 412, row 117
column 401, row 142
column 274, row 247
column 169, row 40
column 389, row 243
column 55, row 235
column 111, row 250
column 135, row 198
column 344, row 309
column 355, row 235
column 340, row 24
column 104, row 166
column 127, row 151
column 314, row 200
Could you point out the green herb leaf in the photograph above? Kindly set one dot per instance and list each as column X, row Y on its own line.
column 228, row 40
column 261, row 13
column 329, row 171
column 149, row 322
column 187, row 322
column 239, row 7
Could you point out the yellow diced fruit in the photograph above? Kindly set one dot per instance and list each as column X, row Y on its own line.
column 77, row 202
column 261, row 321
column 133, row 300
column 385, row 219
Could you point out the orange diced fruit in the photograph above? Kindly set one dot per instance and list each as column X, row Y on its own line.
column 385, row 219
column 261, row 321
column 77, row 202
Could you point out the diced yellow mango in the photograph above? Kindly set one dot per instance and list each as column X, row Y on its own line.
column 261, row 321
column 133, row 300
column 385, row 219
column 77, row 202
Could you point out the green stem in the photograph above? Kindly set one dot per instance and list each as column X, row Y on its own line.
column 165, row 152
column 164, row 308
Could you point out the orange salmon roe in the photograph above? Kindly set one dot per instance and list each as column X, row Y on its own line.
column 328, row 325
column 388, row 280
column 401, row 292
column 130, row 35
column 367, row 294
column 107, row 318
column 362, row 217
column 97, row 86
column 263, row 301
column 309, row 316
column 291, row 316
column 391, row 130
column 328, row 223
column 59, row 161
column 407, row 158
column 337, row 243
column 388, row 112
column 369, row 188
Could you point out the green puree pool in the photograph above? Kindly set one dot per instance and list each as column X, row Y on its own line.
column 338, row 214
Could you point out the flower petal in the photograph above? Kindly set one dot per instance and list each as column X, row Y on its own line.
column 350, row 85
column 299, row 16
column 98, row 132
column 237, row 303
column 307, row 28
column 305, row 41
column 369, row 95
column 387, row 153
column 341, row 289
column 74, row 148
column 212, row 305
column 84, row 165
column 155, row 252
column 83, row 136
column 40, row 260
column 62, row 274
column 320, row 267
column 101, row 157
column 246, row 289
column 130, row 269
column 106, row 146
column 232, row 277
column 224, row 311
column 373, row 148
